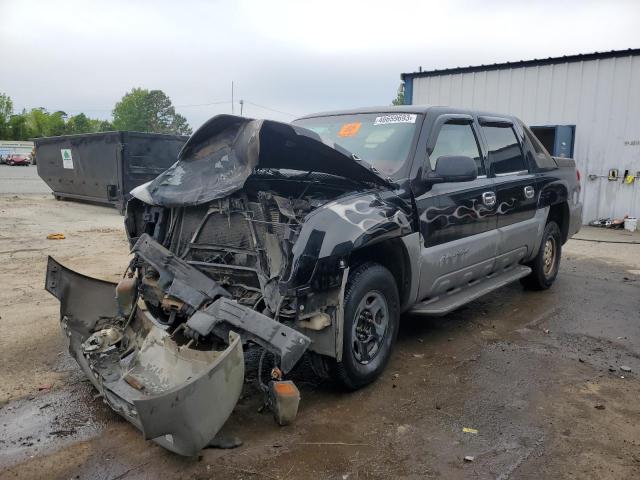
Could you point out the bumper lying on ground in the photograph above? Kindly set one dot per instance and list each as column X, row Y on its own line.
column 177, row 396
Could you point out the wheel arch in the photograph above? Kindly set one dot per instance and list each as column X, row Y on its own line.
column 555, row 195
column 395, row 257
column 559, row 213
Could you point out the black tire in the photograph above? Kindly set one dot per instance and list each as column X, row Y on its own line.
column 367, row 281
column 543, row 273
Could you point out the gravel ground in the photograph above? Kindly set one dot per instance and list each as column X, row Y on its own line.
column 24, row 180
column 537, row 374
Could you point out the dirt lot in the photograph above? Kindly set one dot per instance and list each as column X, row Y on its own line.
column 536, row 374
column 21, row 180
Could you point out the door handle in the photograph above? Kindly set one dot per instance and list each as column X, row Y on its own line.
column 529, row 192
column 489, row 199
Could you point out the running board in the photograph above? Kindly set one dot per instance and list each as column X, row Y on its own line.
column 447, row 302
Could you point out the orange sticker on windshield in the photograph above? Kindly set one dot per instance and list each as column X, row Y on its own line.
column 349, row 129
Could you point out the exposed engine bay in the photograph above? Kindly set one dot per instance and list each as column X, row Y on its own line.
column 244, row 242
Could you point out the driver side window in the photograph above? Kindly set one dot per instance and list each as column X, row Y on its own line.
column 457, row 139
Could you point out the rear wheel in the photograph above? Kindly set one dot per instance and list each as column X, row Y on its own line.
column 547, row 262
column 371, row 318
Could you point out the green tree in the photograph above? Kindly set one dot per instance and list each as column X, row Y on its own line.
column 44, row 124
column 180, row 126
column 6, row 110
column 78, row 124
column 18, row 128
column 399, row 100
column 145, row 110
column 100, row 125
column 38, row 122
column 56, row 124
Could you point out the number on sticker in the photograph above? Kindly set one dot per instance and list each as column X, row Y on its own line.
column 396, row 118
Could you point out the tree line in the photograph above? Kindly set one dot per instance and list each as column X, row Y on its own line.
column 139, row 110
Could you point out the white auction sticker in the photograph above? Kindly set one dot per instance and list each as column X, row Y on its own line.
column 67, row 159
column 396, row 118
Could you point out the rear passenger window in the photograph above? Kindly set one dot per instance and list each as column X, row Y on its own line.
column 543, row 159
column 505, row 154
column 456, row 139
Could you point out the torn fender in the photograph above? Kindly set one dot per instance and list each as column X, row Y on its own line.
column 178, row 397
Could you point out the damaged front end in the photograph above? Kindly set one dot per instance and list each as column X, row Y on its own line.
column 177, row 385
column 230, row 247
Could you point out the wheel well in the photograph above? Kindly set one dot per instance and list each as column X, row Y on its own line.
column 559, row 213
column 392, row 254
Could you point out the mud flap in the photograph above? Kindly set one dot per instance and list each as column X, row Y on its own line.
column 178, row 397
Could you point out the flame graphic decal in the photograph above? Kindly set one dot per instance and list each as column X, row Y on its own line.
column 370, row 216
column 476, row 211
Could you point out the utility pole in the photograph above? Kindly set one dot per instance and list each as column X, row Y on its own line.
column 241, row 104
column 232, row 97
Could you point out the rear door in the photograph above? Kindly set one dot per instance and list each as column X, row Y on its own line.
column 516, row 190
column 457, row 220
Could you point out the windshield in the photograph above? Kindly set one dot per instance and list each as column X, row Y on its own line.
column 381, row 139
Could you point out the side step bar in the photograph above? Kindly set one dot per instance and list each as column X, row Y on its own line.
column 447, row 302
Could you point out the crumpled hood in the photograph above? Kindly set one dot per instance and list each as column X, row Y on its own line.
column 219, row 157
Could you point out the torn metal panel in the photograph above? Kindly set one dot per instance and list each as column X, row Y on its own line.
column 181, row 281
column 276, row 337
column 177, row 278
column 185, row 417
column 84, row 301
column 220, row 156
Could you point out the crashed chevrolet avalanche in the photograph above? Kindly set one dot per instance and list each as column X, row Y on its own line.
column 308, row 238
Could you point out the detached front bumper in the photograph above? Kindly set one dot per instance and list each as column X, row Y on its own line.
column 179, row 397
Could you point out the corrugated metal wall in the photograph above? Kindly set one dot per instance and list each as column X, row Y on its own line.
column 601, row 97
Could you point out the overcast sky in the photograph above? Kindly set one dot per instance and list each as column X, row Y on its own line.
column 293, row 57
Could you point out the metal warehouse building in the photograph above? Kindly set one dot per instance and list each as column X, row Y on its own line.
column 581, row 106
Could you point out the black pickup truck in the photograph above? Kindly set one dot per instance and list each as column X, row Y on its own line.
column 309, row 238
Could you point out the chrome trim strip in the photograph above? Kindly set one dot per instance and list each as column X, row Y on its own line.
column 520, row 172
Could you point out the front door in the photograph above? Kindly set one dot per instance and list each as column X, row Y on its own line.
column 457, row 220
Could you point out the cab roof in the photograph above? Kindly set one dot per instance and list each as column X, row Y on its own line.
column 420, row 109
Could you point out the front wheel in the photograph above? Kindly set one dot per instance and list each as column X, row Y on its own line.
column 371, row 318
column 547, row 262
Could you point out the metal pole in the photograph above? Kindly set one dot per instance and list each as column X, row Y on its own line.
column 241, row 105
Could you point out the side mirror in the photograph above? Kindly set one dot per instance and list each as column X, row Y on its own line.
column 453, row 168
